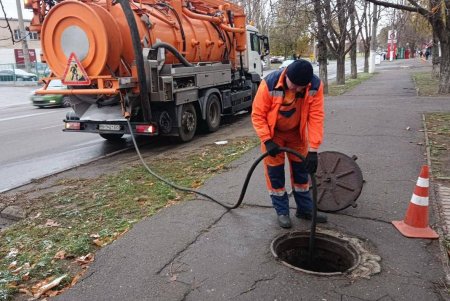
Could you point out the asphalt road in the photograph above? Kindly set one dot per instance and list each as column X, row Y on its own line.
column 33, row 144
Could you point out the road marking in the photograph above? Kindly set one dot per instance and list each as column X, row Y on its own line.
column 25, row 116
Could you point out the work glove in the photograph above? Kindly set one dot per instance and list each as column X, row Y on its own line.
column 311, row 162
column 272, row 148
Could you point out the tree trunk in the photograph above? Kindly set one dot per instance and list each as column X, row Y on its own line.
column 366, row 59
column 435, row 57
column 444, row 82
column 321, row 47
column 322, row 59
column 353, row 40
column 373, row 39
column 353, row 66
column 340, row 70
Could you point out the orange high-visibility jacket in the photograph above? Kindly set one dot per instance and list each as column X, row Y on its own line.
column 268, row 100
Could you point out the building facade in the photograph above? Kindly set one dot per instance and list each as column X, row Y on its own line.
column 10, row 39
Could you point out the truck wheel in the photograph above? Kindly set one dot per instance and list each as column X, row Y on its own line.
column 213, row 113
column 188, row 123
column 66, row 102
column 111, row 137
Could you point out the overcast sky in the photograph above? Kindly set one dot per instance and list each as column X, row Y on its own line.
column 11, row 10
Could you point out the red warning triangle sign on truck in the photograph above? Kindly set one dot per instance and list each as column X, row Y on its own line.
column 75, row 75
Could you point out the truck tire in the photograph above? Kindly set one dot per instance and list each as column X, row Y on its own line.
column 112, row 137
column 213, row 113
column 188, row 125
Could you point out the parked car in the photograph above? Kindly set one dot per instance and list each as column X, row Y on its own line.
column 42, row 69
column 286, row 63
column 276, row 59
column 52, row 100
column 17, row 75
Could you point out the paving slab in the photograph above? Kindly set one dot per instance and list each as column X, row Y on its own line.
column 196, row 250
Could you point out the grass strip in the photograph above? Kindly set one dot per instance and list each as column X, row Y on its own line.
column 64, row 227
column 438, row 127
column 426, row 85
column 350, row 84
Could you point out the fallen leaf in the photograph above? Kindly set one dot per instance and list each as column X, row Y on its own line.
column 12, row 253
column 47, row 286
column 85, row 259
column 36, row 216
column 52, row 293
column 77, row 277
column 173, row 278
column 60, row 255
column 52, row 223
column 26, row 276
column 16, row 271
column 12, row 265
column 25, row 291
column 98, row 242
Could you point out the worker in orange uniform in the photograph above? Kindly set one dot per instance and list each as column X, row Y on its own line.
column 288, row 112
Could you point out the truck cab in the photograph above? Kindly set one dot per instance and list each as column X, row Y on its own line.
column 257, row 48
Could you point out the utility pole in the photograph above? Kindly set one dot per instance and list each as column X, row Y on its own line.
column 26, row 54
column 373, row 39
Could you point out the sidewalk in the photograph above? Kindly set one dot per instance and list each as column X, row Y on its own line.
column 198, row 251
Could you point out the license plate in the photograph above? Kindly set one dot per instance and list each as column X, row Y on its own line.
column 38, row 98
column 109, row 127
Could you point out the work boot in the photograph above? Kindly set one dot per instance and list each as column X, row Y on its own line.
column 284, row 221
column 320, row 218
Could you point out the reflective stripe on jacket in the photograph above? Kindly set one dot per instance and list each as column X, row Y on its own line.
column 268, row 100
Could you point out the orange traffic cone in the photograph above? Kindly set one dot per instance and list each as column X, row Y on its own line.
column 415, row 223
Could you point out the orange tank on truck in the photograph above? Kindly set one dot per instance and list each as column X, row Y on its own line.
column 168, row 67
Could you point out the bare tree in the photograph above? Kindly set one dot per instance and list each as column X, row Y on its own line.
column 366, row 33
column 335, row 16
column 439, row 18
column 322, row 46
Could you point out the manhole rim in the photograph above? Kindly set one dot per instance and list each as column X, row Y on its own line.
column 353, row 248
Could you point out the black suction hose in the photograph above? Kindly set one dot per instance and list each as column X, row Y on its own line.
column 244, row 188
column 174, row 51
column 147, row 117
column 129, row 15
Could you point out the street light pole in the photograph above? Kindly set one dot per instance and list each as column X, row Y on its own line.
column 26, row 54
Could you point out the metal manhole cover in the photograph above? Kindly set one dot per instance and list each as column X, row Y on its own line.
column 339, row 181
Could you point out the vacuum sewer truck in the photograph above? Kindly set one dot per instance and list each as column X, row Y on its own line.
column 168, row 66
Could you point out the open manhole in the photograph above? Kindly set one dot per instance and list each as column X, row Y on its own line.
column 332, row 255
